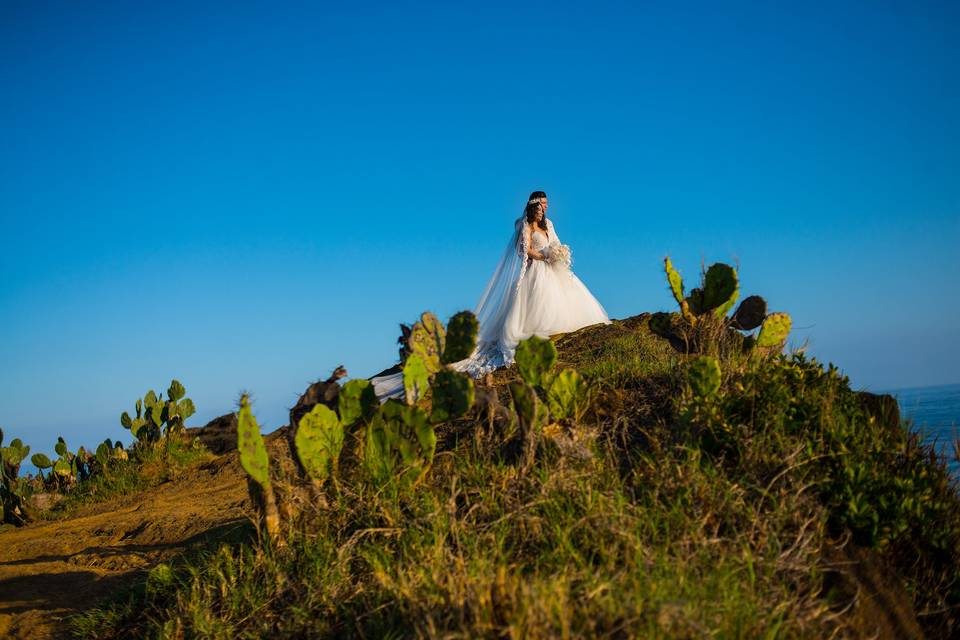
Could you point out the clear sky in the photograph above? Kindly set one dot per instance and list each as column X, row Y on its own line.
column 245, row 196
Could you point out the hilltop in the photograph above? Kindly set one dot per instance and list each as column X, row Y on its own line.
column 782, row 503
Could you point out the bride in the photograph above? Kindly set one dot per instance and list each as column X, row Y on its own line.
column 532, row 292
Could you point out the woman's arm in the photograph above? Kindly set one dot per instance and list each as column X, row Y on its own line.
column 531, row 252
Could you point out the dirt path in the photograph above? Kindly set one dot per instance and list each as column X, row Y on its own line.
column 51, row 570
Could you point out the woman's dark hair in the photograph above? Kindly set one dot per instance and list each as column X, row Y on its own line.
column 531, row 211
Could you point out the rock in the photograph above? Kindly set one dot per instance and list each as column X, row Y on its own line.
column 219, row 435
column 45, row 501
column 881, row 407
column 326, row 392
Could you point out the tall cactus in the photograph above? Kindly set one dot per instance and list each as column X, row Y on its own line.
column 253, row 457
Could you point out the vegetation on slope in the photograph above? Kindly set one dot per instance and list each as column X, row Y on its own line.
column 671, row 475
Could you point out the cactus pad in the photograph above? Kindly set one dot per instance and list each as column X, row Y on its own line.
column 461, row 337
column 41, row 461
column 427, row 340
column 704, row 376
column 535, row 356
column 567, row 395
column 319, row 441
column 774, row 331
column 176, row 391
column 416, row 379
column 453, row 395
column 674, row 280
column 720, row 289
column 400, row 444
column 750, row 314
column 357, row 400
column 253, row 452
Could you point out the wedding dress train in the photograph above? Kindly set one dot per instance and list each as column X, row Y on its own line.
column 524, row 297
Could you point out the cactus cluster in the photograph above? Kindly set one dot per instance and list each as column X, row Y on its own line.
column 400, row 444
column 563, row 396
column 12, row 456
column 709, row 304
column 156, row 417
column 12, row 507
column 400, row 439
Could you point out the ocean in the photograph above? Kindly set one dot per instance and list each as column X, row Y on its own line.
column 934, row 412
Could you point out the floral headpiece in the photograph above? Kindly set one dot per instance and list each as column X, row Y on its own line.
column 541, row 200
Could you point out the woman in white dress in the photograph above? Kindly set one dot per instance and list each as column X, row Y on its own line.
column 532, row 292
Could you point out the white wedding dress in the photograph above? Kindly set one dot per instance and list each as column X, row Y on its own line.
column 524, row 297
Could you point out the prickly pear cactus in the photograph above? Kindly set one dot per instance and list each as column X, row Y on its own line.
column 674, row 280
column 400, row 445
column 11, row 457
column 427, row 340
column 319, row 441
column 357, row 400
column 774, row 331
column 704, row 376
column 720, row 290
column 41, row 461
column 61, row 447
column 15, row 453
column 750, row 314
column 253, row 452
column 253, row 458
column 567, row 396
column 535, row 356
column 452, row 393
column 461, row 337
column 416, row 379
column 175, row 391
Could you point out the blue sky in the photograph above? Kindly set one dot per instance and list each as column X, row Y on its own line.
column 243, row 196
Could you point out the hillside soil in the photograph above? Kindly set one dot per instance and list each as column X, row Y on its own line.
column 52, row 570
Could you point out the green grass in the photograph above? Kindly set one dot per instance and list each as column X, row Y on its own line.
column 692, row 518
column 146, row 467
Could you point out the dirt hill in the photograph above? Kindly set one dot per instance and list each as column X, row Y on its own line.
column 50, row 570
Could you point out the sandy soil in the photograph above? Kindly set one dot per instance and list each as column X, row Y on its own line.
column 51, row 570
